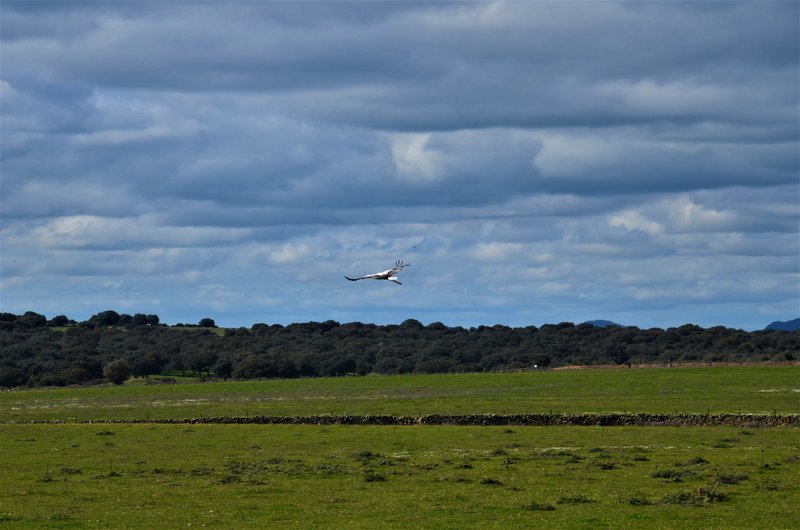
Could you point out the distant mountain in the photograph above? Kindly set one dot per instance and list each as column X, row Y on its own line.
column 602, row 323
column 789, row 325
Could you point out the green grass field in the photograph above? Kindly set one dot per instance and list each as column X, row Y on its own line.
column 157, row 476
column 84, row 475
column 750, row 389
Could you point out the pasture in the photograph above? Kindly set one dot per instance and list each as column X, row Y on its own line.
column 115, row 475
column 728, row 389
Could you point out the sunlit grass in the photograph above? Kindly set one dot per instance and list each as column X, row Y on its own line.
column 741, row 389
column 147, row 476
column 83, row 475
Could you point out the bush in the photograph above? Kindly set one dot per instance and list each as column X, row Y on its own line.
column 11, row 376
column 32, row 320
column 105, row 318
column 117, row 371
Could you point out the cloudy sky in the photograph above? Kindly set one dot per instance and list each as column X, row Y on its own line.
column 535, row 162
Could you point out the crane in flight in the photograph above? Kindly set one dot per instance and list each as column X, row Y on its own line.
column 385, row 275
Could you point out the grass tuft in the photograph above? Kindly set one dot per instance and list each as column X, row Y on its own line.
column 372, row 476
column 575, row 499
column 698, row 497
column 672, row 475
column 731, row 478
column 695, row 461
column 639, row 500
column 539, row 506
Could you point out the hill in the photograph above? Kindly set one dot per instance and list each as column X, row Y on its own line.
column 602, row 323
column 789, row 325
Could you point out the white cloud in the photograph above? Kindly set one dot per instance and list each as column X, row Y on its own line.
column 496, row 251
column 687, row 216
column 289, row 253
column 634, row 220
column 413, row 160
column 574, row 156
column 78, row 232
column 649, row 97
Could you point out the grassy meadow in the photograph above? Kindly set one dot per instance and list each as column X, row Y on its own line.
column 731, row 389
column 109, row 475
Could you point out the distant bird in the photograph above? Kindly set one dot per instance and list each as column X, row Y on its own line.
column 385, row 275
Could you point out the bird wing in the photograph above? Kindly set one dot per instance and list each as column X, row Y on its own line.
column 385, row 275
column 398, row 266
column 376, row 276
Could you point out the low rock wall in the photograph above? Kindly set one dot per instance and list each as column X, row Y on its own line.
column 591, row 420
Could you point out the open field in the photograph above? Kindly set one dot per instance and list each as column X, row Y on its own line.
column 147, row 475
column 246, row 476
column 737, row 389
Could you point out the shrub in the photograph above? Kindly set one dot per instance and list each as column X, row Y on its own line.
column 117, row 371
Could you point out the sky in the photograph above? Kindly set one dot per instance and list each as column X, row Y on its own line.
column 534, row 162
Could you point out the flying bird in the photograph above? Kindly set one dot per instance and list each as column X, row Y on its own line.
column 385, row 275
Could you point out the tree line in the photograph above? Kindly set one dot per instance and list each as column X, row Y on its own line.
column 36, row 351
